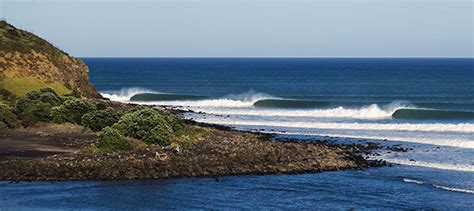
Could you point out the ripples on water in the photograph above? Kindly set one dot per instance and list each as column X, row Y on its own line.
column 388, row 187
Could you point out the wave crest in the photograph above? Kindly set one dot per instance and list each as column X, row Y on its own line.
column 243, row 100
column 146, row 96
column 373, row 111
column 124, row 95
column 262, row 104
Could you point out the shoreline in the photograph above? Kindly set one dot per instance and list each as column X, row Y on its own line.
column 224, row 152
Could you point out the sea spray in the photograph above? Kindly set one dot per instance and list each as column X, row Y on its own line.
column 372, row 111
column 124, row 95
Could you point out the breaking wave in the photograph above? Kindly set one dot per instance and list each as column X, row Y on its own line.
column 261, row 104
column 373, row 111
column 140, row 95
column 125, row 94
column 429, row 114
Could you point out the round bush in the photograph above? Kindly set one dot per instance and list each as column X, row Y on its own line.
column 51, row 98
column 59, row 115
column 31, row 112
column 161, row 134
column 36, row 106
column 111, row 139
column 72, row 111
column 147, row 124
column 98, row 119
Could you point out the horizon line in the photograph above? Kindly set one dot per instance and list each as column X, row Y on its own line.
column 261, row 57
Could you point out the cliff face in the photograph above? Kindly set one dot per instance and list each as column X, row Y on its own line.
column 28, row 62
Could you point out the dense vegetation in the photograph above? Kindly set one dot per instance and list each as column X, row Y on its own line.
column 7, row 118
column 117, row 129
column 36, row 106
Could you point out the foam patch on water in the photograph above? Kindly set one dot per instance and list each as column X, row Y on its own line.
column 439, row 186
column 444, row 166
column 425, row 127
column 454, row 189
column 413, row 181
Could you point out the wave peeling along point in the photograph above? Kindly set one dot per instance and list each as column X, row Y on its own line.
column 125, row 94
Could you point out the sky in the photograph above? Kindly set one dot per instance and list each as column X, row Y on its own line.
column 250, row 28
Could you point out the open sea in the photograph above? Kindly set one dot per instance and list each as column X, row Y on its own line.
column 426, row 105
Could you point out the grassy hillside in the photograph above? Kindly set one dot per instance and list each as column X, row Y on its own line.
column 28, row 62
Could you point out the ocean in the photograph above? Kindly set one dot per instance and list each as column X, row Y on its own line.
column 425, row 105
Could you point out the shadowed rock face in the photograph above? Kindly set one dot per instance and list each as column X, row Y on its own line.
column 28, row 62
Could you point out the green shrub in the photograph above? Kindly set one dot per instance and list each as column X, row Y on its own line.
column 175, row 122
column 98, row 119
column 72, row 110
column 6, row 95
column 51, row 98
column 7, row 118
column 146, row 124
column 36, row 106
column 36, row 111
column 111, row 139
column 99, row 105
column 58, row 115
column 161, row 134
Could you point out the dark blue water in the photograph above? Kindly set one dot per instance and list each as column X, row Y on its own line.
column 302, row 78
column 331, row 190
column 423, row 104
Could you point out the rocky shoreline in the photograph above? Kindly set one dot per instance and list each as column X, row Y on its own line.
column 224, row 152
column 142, row 149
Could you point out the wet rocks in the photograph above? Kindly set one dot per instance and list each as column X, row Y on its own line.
column 397, row 148
column 224, row 152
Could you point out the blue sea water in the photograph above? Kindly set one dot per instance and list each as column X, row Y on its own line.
column 423, row 104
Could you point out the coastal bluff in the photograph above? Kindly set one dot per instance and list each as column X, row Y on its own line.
column 28, row 62
column 54, row 127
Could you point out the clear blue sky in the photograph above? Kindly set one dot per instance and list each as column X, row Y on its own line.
column 250, row 28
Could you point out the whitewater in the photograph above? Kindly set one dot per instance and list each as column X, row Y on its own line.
column 371, row 121
column 425, row 106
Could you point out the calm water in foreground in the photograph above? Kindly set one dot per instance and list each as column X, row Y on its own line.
column 423, row 104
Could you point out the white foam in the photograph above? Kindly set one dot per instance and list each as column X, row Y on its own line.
column 412, row 181
column 440, row 186
column 444, row 166
column 243, row 100
column 425, row 127
column 454, row 189
column 373, row 111
column 125, row 94
column 228, row 103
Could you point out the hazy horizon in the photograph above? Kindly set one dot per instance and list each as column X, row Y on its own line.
column 250, row 29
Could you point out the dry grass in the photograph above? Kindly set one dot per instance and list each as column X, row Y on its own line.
column 21, row 86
